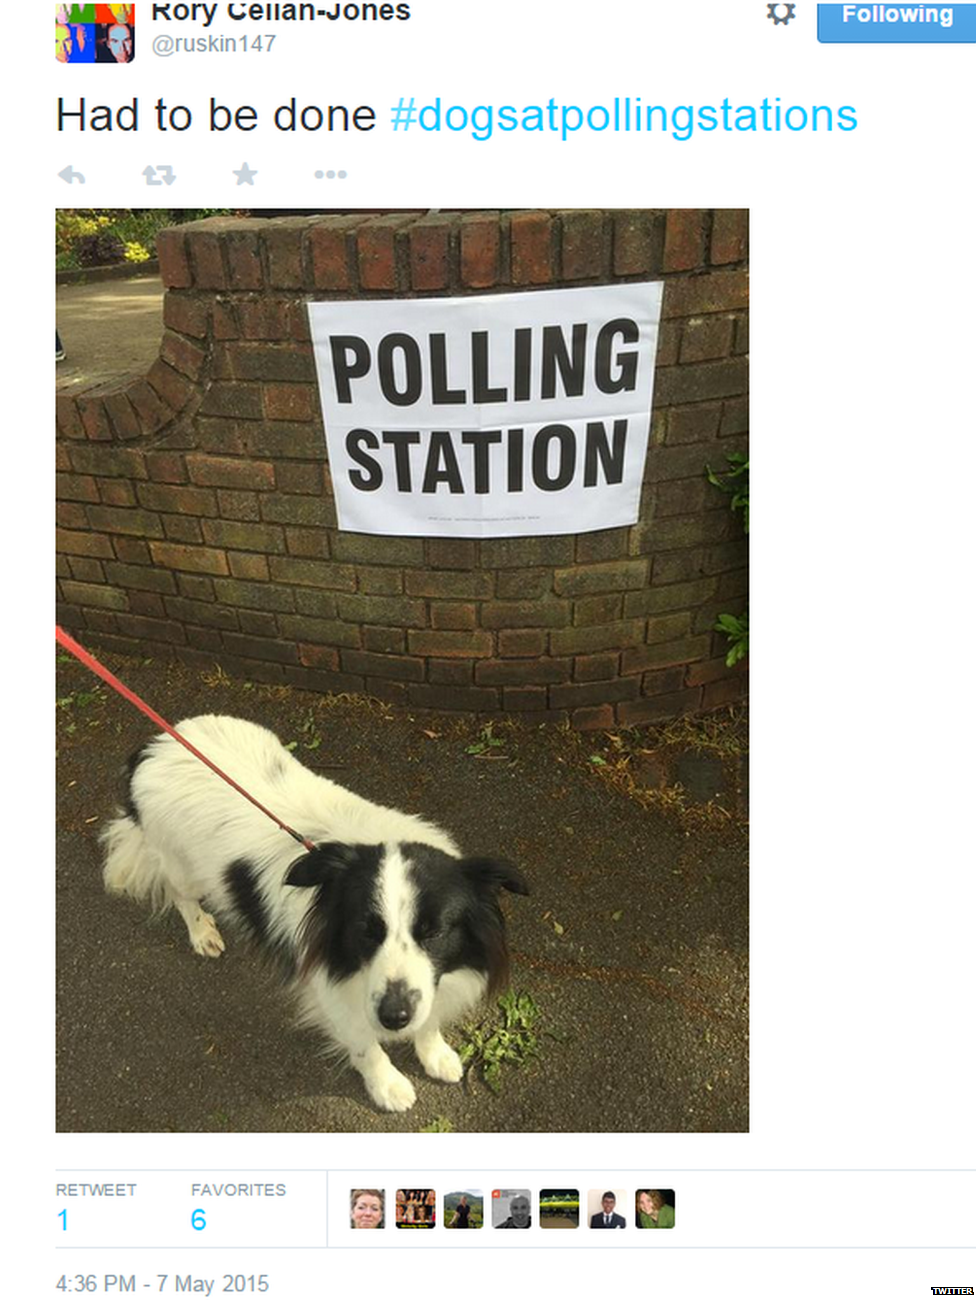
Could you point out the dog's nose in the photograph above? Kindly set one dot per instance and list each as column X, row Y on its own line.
column 396, row 1006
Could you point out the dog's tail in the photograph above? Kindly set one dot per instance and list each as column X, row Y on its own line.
column 132, row 867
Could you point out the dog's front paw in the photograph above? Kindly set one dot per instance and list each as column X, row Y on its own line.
column 392, row 1090
column 440, row 1060
column 205, row 937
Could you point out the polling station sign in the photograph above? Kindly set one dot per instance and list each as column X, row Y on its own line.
column 506, row 415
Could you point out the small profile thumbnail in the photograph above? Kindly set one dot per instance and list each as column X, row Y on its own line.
column 559, row 1207
column 604, row 1206
column 654, row 1209
column 366, row 1207
column 416, row 1207
column 511, row 1207
column 464, row 1209
column 94, row 33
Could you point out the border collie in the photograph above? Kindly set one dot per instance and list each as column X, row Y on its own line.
column 385, row 930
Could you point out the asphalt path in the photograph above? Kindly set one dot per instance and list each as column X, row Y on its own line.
column 110, row 330
column 633, row 944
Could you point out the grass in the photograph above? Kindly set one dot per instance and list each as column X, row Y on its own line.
column 629, row 760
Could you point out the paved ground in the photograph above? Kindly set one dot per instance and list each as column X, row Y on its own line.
column 109, row 328
column 633, row 944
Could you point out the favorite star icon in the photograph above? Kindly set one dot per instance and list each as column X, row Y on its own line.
column 246, row 174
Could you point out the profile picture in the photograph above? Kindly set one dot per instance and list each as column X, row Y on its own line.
column 654, row 1208
column 366, row 1206
column 511, row 1208
column 464, row 1209
column 416, row 1207
column 559, row 1207
column 607, row 1207
column 94, row 33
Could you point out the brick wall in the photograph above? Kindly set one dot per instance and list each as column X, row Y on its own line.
column 195, row 508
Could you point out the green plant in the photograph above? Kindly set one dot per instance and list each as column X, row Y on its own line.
column 512, row 1041
column 486, row 742
column 735, row 482
column 737, row 631
column 439, row 1124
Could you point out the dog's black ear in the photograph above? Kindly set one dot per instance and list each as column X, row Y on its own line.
column 321, row 864
column 497, row 873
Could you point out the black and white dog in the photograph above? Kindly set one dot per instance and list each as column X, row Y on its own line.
column 385, row 930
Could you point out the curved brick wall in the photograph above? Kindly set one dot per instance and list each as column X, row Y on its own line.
column 195, row 510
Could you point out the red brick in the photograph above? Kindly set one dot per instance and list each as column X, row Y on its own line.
column 153, row 412
column 283, row 241
column 69, row 418
column 706, row 339
column 174, row 266
column 585, row 245
column 116, row 492
column 730, row 235
column 596, row 718
column 523, row 699
column 480, row 252
column 70, row 514
column 727, row 691
column 76, row 487
column 206, row 256
column 684, row 240
column 95, row 419
column 290, row 402
column 658, row 708
column 430, row 254
column 595, row 668
column 182, row 355
column 170, row 385
column 185, row 313
column 474, row 699
column 521, row 643
column 197, row 559
column 263, row 318
column 166, row 467
column 243, row 259
column 290, row 477
column 638, row 242
column 319, row 656
column 244, row 564
column 376, row 251
column 331, row 252
column 531, row 234
column 450, row 645
column 697, row 295
column 77, row 543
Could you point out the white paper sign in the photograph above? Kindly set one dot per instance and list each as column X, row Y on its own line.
column 505, row 415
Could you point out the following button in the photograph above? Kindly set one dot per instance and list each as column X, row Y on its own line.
column 900, row 24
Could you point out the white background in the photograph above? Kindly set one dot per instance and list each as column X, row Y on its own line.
column 862, row 707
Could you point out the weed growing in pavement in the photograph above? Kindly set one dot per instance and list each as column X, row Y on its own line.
column 509, row 1039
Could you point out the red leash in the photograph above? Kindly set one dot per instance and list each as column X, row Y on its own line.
column 82, row 655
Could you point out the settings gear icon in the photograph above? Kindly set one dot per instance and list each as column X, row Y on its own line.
column 777, row 17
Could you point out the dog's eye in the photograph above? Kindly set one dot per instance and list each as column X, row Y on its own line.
column 375, row 928
column 426, row 930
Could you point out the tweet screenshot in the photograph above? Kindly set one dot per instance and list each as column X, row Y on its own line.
column 419, row 848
